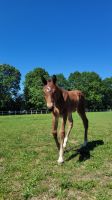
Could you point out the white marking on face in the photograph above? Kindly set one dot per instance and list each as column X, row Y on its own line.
column 48, row 89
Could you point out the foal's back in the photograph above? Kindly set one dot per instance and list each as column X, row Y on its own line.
column 74, row 100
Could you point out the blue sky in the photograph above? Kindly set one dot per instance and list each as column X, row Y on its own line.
column 61, row 36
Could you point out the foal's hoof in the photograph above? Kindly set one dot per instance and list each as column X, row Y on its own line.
column 60, row 161
column 85, row 144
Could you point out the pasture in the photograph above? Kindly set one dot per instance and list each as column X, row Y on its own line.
column 28, row 159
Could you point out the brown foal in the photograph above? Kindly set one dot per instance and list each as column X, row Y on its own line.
column 63, row 103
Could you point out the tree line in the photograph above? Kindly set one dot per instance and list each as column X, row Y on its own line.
column 98, row 92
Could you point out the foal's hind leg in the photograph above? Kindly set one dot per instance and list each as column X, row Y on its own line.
column 82, row 114
column 70, row 125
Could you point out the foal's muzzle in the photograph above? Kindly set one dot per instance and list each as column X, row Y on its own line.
column 50, row 106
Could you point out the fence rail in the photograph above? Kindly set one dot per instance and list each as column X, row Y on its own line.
column 44, row 111
column 23, row 112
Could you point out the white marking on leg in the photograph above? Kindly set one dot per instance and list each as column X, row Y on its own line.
column 68, row 133
column 62, row 135
column 61, row 160
column 65, row 141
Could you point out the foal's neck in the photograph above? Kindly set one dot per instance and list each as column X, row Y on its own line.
column 59, row 100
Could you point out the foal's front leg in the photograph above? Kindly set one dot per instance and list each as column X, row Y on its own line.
column 54, row 129
column 62, row 136
column 70, row 125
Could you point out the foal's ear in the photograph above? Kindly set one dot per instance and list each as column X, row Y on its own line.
column 43, row 80
column 54, row 79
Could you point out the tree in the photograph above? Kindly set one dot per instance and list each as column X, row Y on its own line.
column 107, row 93
column 33, row 89
column 62, row 82
column 9, row 86
column 74, row 80
column 91, row 84
column 19, row 103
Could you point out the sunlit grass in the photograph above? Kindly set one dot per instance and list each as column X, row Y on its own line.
column 28, row 159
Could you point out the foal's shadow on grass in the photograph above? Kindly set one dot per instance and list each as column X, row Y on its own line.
column 84, row 152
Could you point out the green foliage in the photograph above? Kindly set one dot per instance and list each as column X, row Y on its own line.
column 91, row 84
column 107, row 92
column 98, row 92
column 62, row 81
column 74, row 80
column 19, row 102
column 9, row 85
column 33, row 89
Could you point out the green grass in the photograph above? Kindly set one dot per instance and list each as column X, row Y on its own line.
column 28, row 160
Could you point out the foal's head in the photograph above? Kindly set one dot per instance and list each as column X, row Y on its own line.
column 49, row 91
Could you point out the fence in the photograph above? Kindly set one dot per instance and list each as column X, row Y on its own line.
column 44, row 111
column 23, row 112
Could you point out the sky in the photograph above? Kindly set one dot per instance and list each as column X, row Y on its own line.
column 61, row 36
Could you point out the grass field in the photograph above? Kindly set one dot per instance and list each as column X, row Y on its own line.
column 28, row 160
